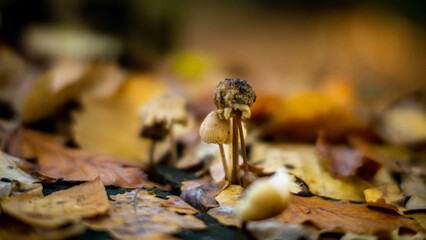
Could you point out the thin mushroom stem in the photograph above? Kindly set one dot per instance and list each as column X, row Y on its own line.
column 172, row 146
column 225, row 164
column 243, row 147
column 151, row 153
column 235, row 152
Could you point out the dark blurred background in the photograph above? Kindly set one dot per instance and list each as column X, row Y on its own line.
column 347, row 49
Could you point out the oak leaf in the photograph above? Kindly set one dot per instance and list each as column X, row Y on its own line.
column 62, row 207
column 140, row 214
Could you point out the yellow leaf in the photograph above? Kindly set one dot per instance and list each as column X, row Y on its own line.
column 111, row 125
column 226, row 213
column 303, row 162
column 71, row 205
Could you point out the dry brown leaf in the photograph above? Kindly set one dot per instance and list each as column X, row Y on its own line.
column 62, row 207
column 344, row 162
column 228, row 199
column 303, row 162
column 111, row 125
column 13, row 229
column 201, row 193
column 302, row 117
column 139, row 214
column 386, row 196
column 351, row 217
column 58, row 161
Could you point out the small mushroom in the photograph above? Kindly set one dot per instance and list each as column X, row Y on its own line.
column 217, row 131
column 265, row 198
column 233, row 98
column 164, row 111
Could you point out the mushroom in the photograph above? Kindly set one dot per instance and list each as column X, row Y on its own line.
column 233, row 98
column 265, row 198
column 161, row 114
column 217, row 131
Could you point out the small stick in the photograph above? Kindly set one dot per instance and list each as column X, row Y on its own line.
column 151, row 154
column 243, row 148
column 173, row 146
column 225, row 164
column 235, row 152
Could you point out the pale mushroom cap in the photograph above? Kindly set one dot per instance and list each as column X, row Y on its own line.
column 168, row 109
column 214, row 130
column 265, row 198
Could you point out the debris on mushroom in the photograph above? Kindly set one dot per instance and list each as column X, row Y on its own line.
column 265, row 198
column 162, row 113
column 217, row 131
column 233, row 98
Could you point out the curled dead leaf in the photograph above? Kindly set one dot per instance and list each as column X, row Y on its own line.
column 140, row 214
column 62, row 207
column 201, row 193
column 228, row 199
column 57, row 161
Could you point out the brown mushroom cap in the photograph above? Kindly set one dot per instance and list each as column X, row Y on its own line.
column 215, row 130
column 233, row 93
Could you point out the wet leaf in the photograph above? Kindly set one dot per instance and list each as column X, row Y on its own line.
column 57, row 161
column 59, row 208
column 201, row 193
column 343, row 162
column 140, row 214
column 111, row 126
column 228, row 199
column 303, row 162
column 351, row 217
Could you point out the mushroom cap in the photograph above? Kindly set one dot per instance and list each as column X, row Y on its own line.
column 265, row 198
column 214, row 130
column 233, row 93
column 167, row 108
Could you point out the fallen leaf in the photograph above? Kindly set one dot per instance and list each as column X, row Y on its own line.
column 139, row 214
column 13, row 229
column 35, row 189
column 201, row 193
column 403, row 122
column 228, row 199
column 10, row 171
column 5, row 189
column 274, row 230
column 388, row 195
column 111, row 125
column 344, row 162
column 62, row 207
column 57, row 161
column 351, row 217
column 303, row 162
column 303, row 116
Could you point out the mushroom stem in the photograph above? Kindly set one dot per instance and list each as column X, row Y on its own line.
column 172, row 146
column 225, row 164
column 151, row 154
column 243, row 147
column 235, row 152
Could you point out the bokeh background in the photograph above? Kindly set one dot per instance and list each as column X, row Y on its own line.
column 356, row 52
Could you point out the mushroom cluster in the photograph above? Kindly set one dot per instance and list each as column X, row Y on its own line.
column 159, row 116
column 233, row 98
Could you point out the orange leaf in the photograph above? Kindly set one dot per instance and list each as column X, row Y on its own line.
column 57, row 161
column 356, row 218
